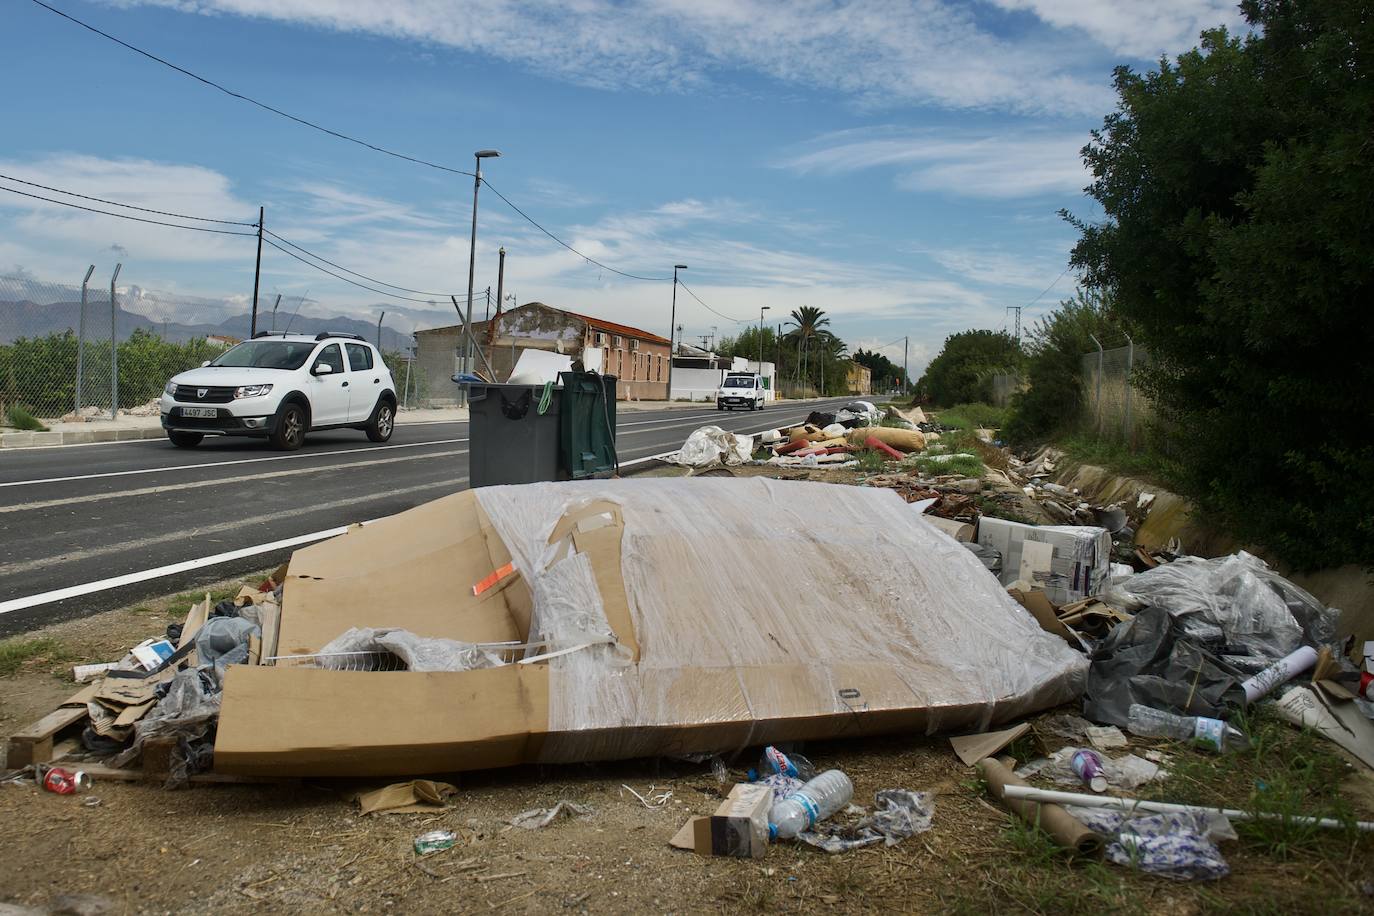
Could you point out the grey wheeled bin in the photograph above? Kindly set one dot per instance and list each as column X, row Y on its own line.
column 510, row 440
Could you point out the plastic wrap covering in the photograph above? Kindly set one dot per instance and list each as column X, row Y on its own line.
column 764, row 606
column 416, row 652
column 713, row 445
column 187, row 710
column 1254, row 606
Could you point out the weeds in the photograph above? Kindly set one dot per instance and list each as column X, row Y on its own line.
column 1115, row 456
column 964, row 465
column 973, row 416
column 15, row 653
column 872, row 461
column 20, row 418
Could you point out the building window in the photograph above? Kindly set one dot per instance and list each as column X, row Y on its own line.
column 599, row 339
column 617, row 342
column 634, row 344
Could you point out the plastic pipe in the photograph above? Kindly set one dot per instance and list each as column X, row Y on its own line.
column 1131, row 805
column 875, row 443
column 1281, row 672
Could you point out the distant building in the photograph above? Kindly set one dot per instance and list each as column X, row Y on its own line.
column 698, row 374
column 221, row 340
column 859, row 379
column 638, row 358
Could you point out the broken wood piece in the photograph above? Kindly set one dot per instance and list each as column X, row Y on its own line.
column 483, row 879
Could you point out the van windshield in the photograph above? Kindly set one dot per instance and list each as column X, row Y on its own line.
column 737, row 382
column 267, row 354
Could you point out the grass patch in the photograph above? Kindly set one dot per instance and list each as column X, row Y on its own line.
column 20, row 418
column 973, row 416
column 939, row 460
column 17, row 653
column 1120, row 458
column 872, row 461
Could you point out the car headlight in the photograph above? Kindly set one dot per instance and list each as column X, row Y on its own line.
column 171, row 388
column 251, row 391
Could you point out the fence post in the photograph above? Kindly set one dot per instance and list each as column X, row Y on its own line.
column 1126, row 430
column 1098, row 396
column 405, row 389
column 81, row 339
column 114, row 348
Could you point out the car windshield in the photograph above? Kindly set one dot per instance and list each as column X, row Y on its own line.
column 267, row 354
column 739, row 383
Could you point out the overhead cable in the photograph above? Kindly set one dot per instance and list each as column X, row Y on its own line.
column 708, row 308
column 380, row 292
column 115, row 203
column 137, row 219
column 317, row 257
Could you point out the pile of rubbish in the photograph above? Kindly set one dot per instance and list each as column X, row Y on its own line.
column 825, row 440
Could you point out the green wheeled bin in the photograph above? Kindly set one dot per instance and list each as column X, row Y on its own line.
column 587, row 425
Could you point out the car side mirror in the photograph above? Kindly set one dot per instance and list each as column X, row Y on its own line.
column 204, row 364
column 322, row 369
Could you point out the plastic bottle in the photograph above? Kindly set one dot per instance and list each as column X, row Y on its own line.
column 813, row 802
column 775, row 763
column 1149, row 722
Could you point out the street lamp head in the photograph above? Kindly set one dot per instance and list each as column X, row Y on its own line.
column 679, row 267
column 764, row 308
column 488, row 153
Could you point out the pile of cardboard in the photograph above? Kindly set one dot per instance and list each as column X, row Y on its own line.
column 649, row 617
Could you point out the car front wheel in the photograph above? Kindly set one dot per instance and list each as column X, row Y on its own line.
column 289, row 433
column 382, row 422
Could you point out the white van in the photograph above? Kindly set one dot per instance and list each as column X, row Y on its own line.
column 741, row 389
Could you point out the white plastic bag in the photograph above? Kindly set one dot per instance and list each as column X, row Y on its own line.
column 712, row 445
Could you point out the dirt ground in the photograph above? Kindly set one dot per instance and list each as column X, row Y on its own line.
column 302, row 846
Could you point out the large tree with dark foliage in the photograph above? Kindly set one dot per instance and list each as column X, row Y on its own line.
column 1238, row 188
column 962, row 372
column 885, row 373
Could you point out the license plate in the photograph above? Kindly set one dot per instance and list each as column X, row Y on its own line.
column 206, row 413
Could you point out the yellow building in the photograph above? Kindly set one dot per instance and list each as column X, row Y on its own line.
column 859, row 379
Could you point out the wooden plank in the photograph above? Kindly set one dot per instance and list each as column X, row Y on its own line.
column 35, row 743
column 157, row 758
column 123, row 774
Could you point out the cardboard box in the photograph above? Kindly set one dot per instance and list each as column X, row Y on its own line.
column 739, row 827
column 1078, row 568
column 687, row 635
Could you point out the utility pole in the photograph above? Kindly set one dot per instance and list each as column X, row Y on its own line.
column 257, row 274
column 762, row 309
column 906, row 377
column 472, row 263
column 274, row 313
column 81, row 340
column 672, row 325
column 114, row 348
column 379, row 329
column 1017, row 310
column 500, row 298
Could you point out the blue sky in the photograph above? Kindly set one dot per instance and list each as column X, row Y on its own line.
column 898, row 164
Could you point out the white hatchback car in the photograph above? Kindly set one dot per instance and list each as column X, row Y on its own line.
column 281, row 386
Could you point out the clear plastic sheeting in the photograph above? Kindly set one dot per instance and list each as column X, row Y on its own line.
column 1253, row 606
column 187, row 710
column 417, row 653
column 711, row 445
column 755, row 603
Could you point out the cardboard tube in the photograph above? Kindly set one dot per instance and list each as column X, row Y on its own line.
column 1281, row 672
column 1063, row 827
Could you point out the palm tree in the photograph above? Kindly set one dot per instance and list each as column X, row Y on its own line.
column 806, row 324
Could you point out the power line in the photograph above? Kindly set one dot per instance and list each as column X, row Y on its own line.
column 252, row 101
column 1043, row 291
column 339, row 135
column 325, row 270
column 115, row 203
column 137, row 219
column 707, row 307
column 317, row 257
column 584, row 257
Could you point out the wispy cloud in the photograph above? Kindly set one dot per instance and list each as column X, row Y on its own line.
column 1010, row 164
column 878, row 52
column 1143, row 30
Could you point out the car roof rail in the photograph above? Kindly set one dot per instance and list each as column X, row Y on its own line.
column 326, row 334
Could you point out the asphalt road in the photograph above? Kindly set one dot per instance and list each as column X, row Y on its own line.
column 85, row 515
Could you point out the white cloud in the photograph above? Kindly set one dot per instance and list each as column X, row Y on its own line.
column 881, row 52
column 999, row 267
column 1143, row 30
column 1021, row 163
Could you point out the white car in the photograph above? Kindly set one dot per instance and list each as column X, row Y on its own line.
column 741, row 390
column 281, row 386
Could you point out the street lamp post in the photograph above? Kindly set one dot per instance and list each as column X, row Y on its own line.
column 762, row 309
column 671, row 325
column 472, row 260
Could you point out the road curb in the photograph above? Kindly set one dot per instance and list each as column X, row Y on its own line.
column 77, row 437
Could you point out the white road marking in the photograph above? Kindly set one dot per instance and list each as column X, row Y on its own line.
column 88, row 588
column 219, row 481
column 217, row 464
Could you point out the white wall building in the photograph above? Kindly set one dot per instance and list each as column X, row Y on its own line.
column 698, row 374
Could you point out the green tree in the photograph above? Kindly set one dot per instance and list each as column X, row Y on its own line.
column 962, row 372
column 886, row 373
column 807, row 322
column 1236, row 184
column 1053, row 367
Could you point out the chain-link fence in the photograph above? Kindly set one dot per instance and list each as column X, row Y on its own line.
column 1113, row 408
column 71, row 351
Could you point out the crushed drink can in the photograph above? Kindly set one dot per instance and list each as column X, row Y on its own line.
column 63, row 782
column 435, row 841
column 1087, row 766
